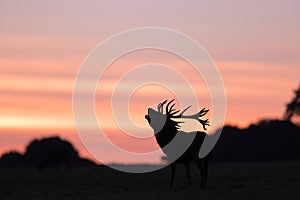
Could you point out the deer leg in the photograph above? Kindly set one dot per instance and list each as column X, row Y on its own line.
column 67, row 165
column 56, row 166
column 205, row 171
column 201, row 169
column 173, row 171
column 50, row 166
column 188, row 172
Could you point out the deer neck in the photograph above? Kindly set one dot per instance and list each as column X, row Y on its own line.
column 165, row 135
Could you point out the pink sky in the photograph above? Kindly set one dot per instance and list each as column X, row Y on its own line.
column 255, row 45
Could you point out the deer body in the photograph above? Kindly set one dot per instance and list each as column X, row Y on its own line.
column 165, row 132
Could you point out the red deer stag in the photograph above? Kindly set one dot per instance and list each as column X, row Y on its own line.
column 166, row 128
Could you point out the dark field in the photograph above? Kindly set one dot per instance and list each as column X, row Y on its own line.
column 276, row 180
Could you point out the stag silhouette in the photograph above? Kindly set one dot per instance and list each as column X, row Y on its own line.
column 166, row 128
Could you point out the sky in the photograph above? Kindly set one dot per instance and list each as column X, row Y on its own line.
column 254, row 44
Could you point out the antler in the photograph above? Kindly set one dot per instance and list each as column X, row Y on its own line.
column 160, row 106
column 171, row 112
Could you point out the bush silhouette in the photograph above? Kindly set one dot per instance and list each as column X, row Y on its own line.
column 12, row 158
column 46, row 153
column 49, row 151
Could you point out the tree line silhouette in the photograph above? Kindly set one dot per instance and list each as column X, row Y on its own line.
column 52, row 152
column 293, row 107
column 269, row 140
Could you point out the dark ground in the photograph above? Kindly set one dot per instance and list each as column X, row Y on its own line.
column 264, row 180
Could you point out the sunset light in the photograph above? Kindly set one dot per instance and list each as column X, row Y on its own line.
column 42, row 48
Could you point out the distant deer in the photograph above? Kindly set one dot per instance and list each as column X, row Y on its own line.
column 55, row 158
column 165, row 130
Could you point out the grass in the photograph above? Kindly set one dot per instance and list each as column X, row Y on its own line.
column 273, row 180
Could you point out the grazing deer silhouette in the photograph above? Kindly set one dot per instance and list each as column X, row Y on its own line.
column 55, row 158
column 165, row 130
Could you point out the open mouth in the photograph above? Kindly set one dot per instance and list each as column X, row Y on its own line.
column 148, row 118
